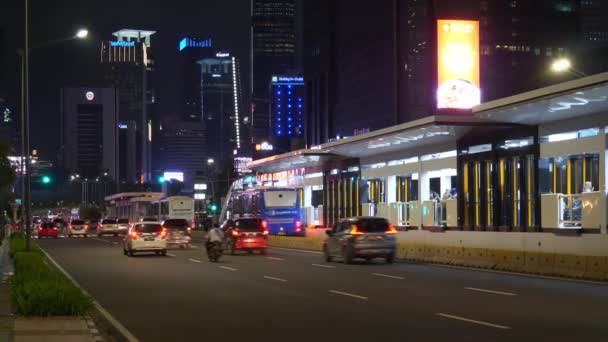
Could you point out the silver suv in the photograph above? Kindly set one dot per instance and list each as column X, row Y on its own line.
column 361, row 237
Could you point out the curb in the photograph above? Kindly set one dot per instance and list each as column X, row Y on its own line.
column 93, row 328
column 126, row 334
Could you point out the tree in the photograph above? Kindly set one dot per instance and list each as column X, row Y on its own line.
column 89, row 212
column 7, row 176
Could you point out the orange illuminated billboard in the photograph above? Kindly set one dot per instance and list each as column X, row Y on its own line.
column 458, row 64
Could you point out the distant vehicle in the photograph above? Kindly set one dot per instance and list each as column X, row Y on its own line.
column 123, row 225
column 361, row 237
column 77, row 227
column 108, row 226
column 145, row 237
column 93, row 224
column 279, row 207
column 59, row 222
column 247, row 234
column 174, row 207
column 178, row 233
column 48, row 230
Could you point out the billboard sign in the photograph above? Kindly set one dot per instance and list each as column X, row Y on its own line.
column 187, row 42
column 178, row 176
column 122, row 43
column 287, row 80
column 458, row 64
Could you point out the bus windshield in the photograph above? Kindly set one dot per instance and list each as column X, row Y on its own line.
column 280, row 199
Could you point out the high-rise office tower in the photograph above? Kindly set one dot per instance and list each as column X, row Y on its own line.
column 274, row 52
column 89, row 131
column 191, row 50
column 184, row 149
column 221, row 105
column 128, row 67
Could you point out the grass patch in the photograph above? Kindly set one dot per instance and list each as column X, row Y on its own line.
column 38, row 290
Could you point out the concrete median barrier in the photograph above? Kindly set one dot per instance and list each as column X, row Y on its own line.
column 596, row 268
column 570, row 265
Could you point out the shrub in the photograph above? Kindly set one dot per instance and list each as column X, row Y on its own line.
column 38, row 290
column 17, row 244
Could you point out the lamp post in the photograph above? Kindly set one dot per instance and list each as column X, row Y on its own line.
column 25, row 116
column 562, row 65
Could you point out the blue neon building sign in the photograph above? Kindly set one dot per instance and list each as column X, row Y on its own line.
column 287, row 93
column 122, row 43
column 194, row 43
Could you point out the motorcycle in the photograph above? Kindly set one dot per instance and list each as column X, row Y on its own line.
column 214, row 252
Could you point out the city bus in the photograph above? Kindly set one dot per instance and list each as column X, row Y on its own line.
column 174, row 207
column 280, row 208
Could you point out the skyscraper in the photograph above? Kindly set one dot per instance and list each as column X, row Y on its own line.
column 221, row 105
column 191, row 50
column 89, row 131
column 128, row 66
column 274, row 52
column 184, row 149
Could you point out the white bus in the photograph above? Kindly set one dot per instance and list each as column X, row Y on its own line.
column 175, row 207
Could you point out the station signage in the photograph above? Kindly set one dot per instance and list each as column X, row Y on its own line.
column 122, row 43
column 458, row 64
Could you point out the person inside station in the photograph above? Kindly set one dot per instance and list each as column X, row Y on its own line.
column 446, row 195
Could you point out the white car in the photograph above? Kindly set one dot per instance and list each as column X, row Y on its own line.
column 108, row 226
column 145, row 237
column 123, row 225
column 77, row 228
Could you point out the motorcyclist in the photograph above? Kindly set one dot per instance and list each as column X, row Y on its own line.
column 215, row 236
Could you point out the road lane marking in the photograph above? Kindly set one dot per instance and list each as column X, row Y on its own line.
column 108, row 316
column 277, row 279
column 498, row 326
column 324, row 266
column 228, row 268
column 274, row 258
column 490, row 291
column 194, row 260
column 171, row 255
column 297, row 250
column 102, row 240
column 387, row 276
column 347, row 294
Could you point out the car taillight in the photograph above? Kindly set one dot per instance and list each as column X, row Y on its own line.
column 163, row 233
column 354, row 230
column 298, row 226
column 235, row 232
column 86, row 226
column 135, row 234
column 54, row 228
column 391, row 229
column 264, row 224
column 39, row 228
column 100, row 226
column 265, row 232
column 189, row 229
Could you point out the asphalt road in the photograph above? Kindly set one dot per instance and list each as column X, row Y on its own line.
column 296, row 296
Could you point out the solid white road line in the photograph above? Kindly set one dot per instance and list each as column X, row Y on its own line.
column 121, row 328
column 228, row 268
column 277, row 279
column 297, row 250
column 490, row 291
column 387, row 276
column 171, row 255
column 324, row 266
column 274, row 258
column 347, row 294
column 194, row 260
column 504, row 327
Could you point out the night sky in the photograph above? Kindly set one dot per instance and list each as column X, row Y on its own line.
column 76, row 63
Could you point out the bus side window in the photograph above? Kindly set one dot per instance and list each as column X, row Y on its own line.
column 255, row 204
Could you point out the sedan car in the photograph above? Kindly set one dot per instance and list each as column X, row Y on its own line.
column 77, row 228
column 145, row 237
column 123, row 225
column 361, row 237
column 178, row 233
column 247, row 234
column 48, row 230
column 108, row 226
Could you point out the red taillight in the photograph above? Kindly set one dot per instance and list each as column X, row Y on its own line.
column 298, row 226
column 135, row 234
column 86, row 226
column 54, row 228
column 391, row 229
column 265, row 232
column 189, row 229
column 354, row 230
column 163, row 233
column 264, row 224
column 235, row 232
column 100, row 226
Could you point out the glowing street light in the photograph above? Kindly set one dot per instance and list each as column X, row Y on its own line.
column 82, row 33
column 561, row 65
column 210, row 161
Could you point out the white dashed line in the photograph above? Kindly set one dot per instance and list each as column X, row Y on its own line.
column 348, row 294
column 474, row 321
column 277, row 279
column 102, row 240
column 297, row 250
column 491, row 291
column 228, row 268
column 194, row 260
column 324, row 266
column 274, row 258
column 387, row 276
column 171, row 255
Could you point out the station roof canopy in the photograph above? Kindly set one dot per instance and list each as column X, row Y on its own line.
column 567, row 100
column 432, row 130
column 132, row 195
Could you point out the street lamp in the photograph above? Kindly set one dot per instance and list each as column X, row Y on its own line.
column 562, row 64
column 210, row 161
column 25, row 114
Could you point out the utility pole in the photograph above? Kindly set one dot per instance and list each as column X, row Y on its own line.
column 26, row 133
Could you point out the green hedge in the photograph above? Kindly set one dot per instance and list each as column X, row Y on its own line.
column 38, row 290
